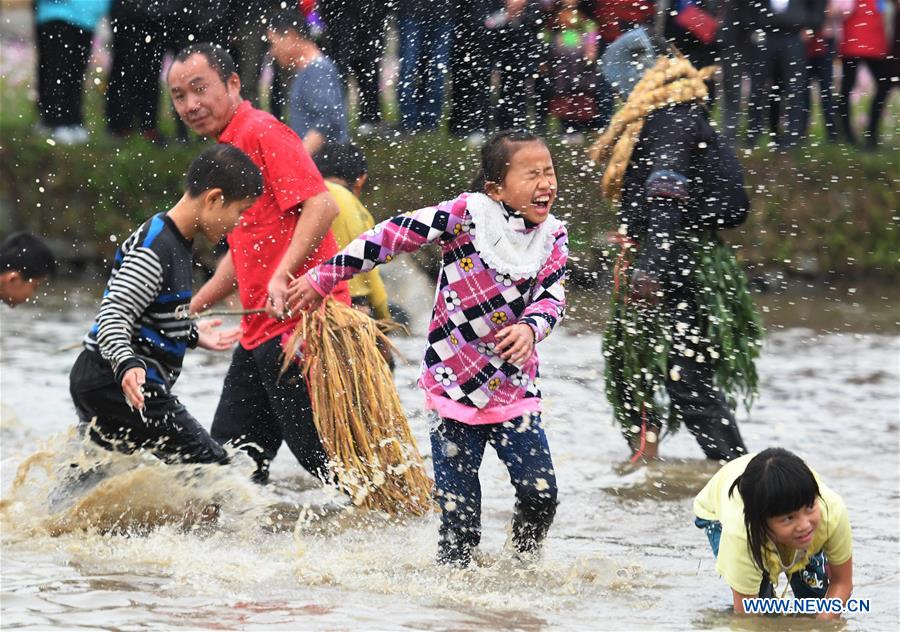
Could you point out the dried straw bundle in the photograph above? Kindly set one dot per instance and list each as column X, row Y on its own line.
column 372, row 453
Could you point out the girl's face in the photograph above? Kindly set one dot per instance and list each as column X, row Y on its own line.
column 530, row 183
column 795, row 529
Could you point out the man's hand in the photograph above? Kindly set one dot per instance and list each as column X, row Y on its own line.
column 131, row 387
column 515, row 343
column 216, row 339
column 302, row 296
column 276, row 306
column 645, row 287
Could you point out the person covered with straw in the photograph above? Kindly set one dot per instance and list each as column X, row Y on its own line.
column 683, row 332
column 500, row 292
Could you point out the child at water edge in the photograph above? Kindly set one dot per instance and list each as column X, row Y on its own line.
column 25, row 263
column 122, row 381
column 501, row 291
column 769, row 513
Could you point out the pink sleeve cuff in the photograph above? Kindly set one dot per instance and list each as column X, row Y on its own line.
column 315, row 285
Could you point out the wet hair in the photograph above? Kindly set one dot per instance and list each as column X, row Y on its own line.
column 216, row 56
column 225, row 167
column 341, row 160
column 28, row 255
column 290, row 21
column 776, row 482
column 496, row 155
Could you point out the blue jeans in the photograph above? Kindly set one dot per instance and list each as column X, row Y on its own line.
column 457, row 450
column 424, row 59
column 812, row 581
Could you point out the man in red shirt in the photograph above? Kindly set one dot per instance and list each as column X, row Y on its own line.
column 286, row 232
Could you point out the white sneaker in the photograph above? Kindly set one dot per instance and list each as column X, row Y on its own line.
column 70, row 134
column 365, row 130
column 475, row 140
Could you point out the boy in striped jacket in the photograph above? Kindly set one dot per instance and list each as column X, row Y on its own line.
column 122, row 381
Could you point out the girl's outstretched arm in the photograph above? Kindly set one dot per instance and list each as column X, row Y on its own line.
column 840, row 586
column 739, row 601
column 548, row 302
column 403, row 233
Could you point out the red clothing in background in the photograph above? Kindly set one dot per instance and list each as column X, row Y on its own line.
column 864, row 32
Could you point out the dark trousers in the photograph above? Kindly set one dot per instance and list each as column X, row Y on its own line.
column 166, row 428
column 821, row 69
column 132, row 98
column 457, row 450
column 694, row 399
column 259, row 409
column 736, row 56
column 778, row 69
column 881, row 73
column 470, row 69
column 424, row 55
column 517, row 69
column 355, row 40
column 63, row 50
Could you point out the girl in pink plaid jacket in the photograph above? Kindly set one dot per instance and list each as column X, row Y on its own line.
column 501, row 290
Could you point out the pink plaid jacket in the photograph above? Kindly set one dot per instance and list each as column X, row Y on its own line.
column 462, row 376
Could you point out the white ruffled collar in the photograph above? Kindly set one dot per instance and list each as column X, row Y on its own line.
column 503, row 240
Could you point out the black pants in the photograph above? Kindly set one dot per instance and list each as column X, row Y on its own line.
column 63, row 50
column 259, row 409
column 355, row 41
column 694, row 399
column 778, row 67
column 132, row 98
column 470, row 69
column 880, row 70
column 167, row 429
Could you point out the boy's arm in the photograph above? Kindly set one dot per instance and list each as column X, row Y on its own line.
column 403, row 233
column 549, row 303
column 217, row 288
column 136, row 284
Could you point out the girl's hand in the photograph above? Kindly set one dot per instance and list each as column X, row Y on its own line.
column 515, row 343
column 215, row 339
column 301, row 295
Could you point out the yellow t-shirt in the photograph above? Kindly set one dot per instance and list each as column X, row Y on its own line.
column 734, row 562
column 353, row 219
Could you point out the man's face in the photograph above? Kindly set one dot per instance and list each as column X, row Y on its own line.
column 202, row 100
column 280, row 47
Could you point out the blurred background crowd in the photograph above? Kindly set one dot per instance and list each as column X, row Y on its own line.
column 402, row 67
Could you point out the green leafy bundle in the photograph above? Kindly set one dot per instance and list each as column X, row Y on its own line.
column 638, row 339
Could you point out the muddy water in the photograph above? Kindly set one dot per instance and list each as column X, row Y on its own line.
column 623, row 553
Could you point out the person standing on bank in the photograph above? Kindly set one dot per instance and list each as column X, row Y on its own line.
column 686, row 331
column 286, row 232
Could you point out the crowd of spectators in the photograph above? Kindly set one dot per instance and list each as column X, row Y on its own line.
column 487, row 64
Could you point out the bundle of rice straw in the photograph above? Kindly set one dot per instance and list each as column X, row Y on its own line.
column 373, row 455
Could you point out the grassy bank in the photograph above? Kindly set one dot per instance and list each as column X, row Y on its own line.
column 821, row 210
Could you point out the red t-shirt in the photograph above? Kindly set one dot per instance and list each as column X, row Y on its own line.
column 259, row 242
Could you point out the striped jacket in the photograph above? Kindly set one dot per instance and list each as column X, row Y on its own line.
column 144, row 315
column 473, row 302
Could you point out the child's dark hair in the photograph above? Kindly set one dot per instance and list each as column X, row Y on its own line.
column 776, row 482
column 216, row 56
column 290, row 21
column 496, row 154
column 225, row 167
column 28, row 255
column 341, row 160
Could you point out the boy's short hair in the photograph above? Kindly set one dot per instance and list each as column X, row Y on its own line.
column 290, row 21
column 216, row 56
column 225, row 167
column 341, row 160
column 28, row 255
